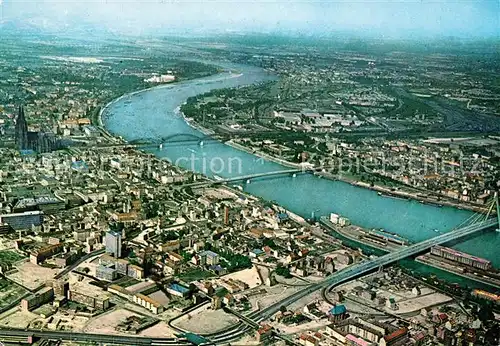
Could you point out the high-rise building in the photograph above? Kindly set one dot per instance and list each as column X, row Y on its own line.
column 60, row 287
column 21, row 130
column 226, row 215
column 113, row 243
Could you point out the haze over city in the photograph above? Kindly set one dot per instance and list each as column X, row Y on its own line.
column 389, row 19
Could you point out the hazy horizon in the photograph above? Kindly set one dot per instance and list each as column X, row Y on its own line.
column 397, row 19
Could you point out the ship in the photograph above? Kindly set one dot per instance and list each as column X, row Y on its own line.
column 391, row 196
column 435, row 204
column 216, row 177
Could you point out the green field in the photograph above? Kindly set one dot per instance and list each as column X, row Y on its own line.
column 9, row 257
column 194, row 275
column 126, row 281
column 9, row 292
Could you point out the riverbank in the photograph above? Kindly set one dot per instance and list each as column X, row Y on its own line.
column 329, row 226
column 262, row 155
column 454, row 268
column 388, row 192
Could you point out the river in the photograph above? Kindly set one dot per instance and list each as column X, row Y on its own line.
column 155, row 113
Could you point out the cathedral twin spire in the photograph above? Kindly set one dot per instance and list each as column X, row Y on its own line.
column 21, row 130
column 41, row 142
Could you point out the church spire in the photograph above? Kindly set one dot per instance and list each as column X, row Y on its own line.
column 21, row 130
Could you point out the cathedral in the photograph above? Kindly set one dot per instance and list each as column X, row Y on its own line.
column 41, row 142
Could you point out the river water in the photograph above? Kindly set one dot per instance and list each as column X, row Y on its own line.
column 155, row 114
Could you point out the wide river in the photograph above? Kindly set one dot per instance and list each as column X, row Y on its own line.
column 155, row 113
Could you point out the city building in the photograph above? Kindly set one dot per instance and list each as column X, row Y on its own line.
column 39, row 255
column 107, row 273
column 357, row 331
column 113, row 242
column 337, row 313
column 395, row 337
column 135, row 272
column 149, row 303
column 25, row 220
column 216, row 303
column 45, row 295
column 308, row 340
column 60, row 287
column 97, row 303
column 226, row 215
column 263, row 333
column 209, row 258
column 353, row 340
column 178, row 290
column 121, row 266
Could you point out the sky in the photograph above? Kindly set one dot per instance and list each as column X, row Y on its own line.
column 381, row 18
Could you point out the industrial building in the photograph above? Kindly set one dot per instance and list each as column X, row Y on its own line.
column 25, row 220
column 358, row 331
column 46, row 204
column 461, row 257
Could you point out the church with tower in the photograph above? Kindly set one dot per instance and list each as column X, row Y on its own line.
column 41, row 142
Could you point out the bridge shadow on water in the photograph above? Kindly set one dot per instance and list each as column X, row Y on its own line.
column 468, row 237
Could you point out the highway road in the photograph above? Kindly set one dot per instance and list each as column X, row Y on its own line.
column 78, row 262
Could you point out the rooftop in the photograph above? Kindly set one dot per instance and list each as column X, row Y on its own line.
column 338, row 310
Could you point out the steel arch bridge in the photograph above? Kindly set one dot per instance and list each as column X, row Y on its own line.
column 173, row 139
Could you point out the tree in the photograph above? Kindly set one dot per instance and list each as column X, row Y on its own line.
column 283, row 271
column 485, row 312
column 322, row 147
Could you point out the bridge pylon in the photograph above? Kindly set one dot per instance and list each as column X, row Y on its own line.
column 498, row 211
